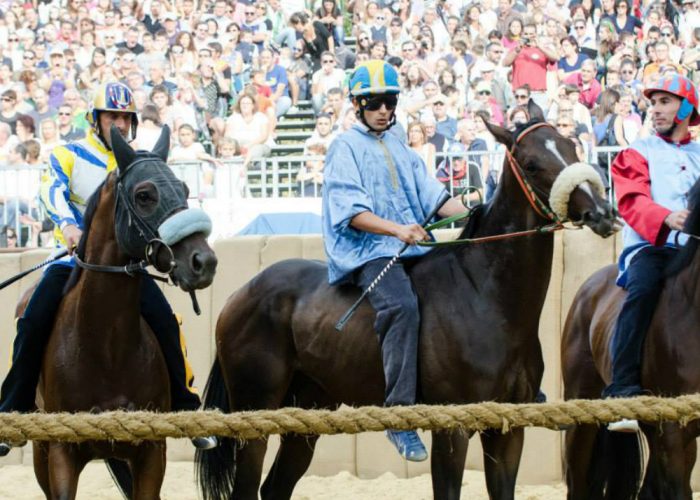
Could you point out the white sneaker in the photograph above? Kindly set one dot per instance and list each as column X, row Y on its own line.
column 624, row 425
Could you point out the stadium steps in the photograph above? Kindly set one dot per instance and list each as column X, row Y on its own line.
column 292, row 136
column 295, row 149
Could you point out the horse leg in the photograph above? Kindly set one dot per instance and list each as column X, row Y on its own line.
column 148, row 469
column 41, row 466
column 579, row 461
column 295, row 452
column 501, row 461
column 667, row 477
column 65, row 465
column 448, row 453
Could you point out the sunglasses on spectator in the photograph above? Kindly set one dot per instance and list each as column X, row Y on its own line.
column 380, row 18
column 521, row 96
column 364, row 38
column 666, row 34
column 64, row 114
column 13, row 39
column 250, row 13
column 328, row 61
column 484, row 92
column 565, row 125
column 627, row 72
column 438, row 103
column 375, row 103
column 580, row 27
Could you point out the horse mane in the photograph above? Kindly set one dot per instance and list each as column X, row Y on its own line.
column 692, row 227
column 90, row 209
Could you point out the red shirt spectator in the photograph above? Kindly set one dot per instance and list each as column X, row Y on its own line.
column 529, row 60
column 588, row 86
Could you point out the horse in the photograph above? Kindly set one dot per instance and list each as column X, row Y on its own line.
column 101, row 355
column 276, row 343
column 669, row 368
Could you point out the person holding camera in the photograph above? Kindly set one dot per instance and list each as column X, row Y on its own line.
column 529, row 59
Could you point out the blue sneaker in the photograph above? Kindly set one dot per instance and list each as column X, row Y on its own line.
column 408, row 445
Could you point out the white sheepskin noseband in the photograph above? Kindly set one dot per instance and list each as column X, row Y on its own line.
column 569, row 179
column 183, row 224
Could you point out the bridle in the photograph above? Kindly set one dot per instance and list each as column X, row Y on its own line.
column 147, row 233
column 530, row 192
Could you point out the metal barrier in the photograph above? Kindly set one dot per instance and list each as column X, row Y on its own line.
column 277, row 177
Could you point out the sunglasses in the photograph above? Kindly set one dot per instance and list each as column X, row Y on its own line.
column 328, row 61
column 250, row 13
column 439, row 103
column 484, row 92
column 627, row 72
column 580, row 27
column 666, row 35
column 521, row 96
column 363, row 38
column 562, row 125
column 375, row 103
column 64, row 114
column 13, row 39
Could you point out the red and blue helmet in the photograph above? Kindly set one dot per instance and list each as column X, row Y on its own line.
column 685, row 90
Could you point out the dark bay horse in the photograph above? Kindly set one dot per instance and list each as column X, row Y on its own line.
column 101, row 356
column 670, row 367
column 480, row 310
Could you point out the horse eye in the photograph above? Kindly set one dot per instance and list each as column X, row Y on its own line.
column 142, row 196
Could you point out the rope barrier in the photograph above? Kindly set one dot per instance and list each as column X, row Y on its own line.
column 141, row 425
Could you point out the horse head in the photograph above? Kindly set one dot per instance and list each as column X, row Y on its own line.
column 548, row 162
column 152, row 218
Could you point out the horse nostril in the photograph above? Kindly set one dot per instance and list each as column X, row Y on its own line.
column 203, row 263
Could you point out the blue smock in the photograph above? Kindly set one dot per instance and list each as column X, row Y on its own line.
column 375, row 173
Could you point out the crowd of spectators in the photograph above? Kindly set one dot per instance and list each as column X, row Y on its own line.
column 223, row 73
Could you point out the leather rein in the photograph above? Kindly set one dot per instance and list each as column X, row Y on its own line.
column 526, row 188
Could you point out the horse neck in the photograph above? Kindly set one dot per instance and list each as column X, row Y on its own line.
column 520, row 267
column 107, row 298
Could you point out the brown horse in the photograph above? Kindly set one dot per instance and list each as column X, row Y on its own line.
column 277, row 346
column 670, row 367
column 101, row 356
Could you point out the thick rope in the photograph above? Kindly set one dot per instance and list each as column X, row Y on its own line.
column 140, row 426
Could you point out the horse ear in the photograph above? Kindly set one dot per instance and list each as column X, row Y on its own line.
column 123, row 153
column 502, row 135
column 162, row 147
column 535, row 111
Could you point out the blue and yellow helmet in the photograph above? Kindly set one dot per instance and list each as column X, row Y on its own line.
column 111, row 96
column 374, row 77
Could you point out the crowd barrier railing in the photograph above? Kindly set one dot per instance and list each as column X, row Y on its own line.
column 276, row 177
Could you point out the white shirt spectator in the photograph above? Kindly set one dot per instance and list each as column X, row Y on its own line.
column 328, row 81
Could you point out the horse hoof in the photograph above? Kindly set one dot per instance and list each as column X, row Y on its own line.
column 205, row 442
column 624, row 425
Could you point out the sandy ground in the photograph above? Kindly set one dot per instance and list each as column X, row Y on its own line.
column 17, row 482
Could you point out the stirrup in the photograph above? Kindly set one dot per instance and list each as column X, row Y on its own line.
column 626, row 425
column 205, row 442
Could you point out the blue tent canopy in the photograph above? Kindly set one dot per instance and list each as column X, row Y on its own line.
column 284, row 223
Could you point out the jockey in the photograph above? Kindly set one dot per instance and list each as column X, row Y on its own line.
column 375, row 190
column 76, row 171
column 652, row 178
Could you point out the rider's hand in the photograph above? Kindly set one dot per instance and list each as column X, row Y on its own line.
column 676, row 220
column 411, row 233
column 72, row 234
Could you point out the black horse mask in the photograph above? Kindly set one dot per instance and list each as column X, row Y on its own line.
column 160, row 215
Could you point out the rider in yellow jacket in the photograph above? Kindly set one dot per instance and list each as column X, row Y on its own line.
column 76, row 170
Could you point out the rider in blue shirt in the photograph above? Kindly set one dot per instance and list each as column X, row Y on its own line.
column 376, row 189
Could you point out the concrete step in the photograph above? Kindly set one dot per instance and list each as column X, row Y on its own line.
column 296, row 124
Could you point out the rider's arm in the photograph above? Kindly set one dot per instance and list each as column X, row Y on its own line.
column 630, row 173
column 55, row 188
column 371, row 223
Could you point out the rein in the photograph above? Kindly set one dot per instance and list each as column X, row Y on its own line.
column 527, row 189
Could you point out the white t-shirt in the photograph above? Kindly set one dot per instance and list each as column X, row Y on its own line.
column 189, row 153
column 328, row 81
column 246, row 132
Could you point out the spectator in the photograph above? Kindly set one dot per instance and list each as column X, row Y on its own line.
column 149, row 129
column 48, row 138
column 443, row 123
column 7, row 142
column 8, row 109
column 188, row 149
column 662, row 61
column 250, row 128
column 157, row 78
column 25, row 128
column 276, row 79
column 322, row 133
column 623, row 21
column 310, row 174
column 588, row 86
column 164, row 104
column 189, row 56
column 434, row 137
column 418, row 140
column 529, row 60
column 66, row 130
column 607, row 124
column 325, row 79
column 131, row 42
column 518, row 115
column 150, row 55
column 33, row 148
column 331, row 17
column 255, row 25
column 317, row 38
column 484, row 96
column 572, row 58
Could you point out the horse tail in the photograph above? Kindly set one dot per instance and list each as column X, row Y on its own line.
column 121, row 474
column 617, row 465
column 215, row 468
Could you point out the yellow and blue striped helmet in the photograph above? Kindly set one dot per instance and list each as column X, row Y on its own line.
column 374, row 77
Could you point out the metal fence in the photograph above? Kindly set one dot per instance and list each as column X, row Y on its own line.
column 272, row 178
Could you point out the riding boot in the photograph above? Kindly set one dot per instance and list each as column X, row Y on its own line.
column 18, row 392
column 160, row 317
